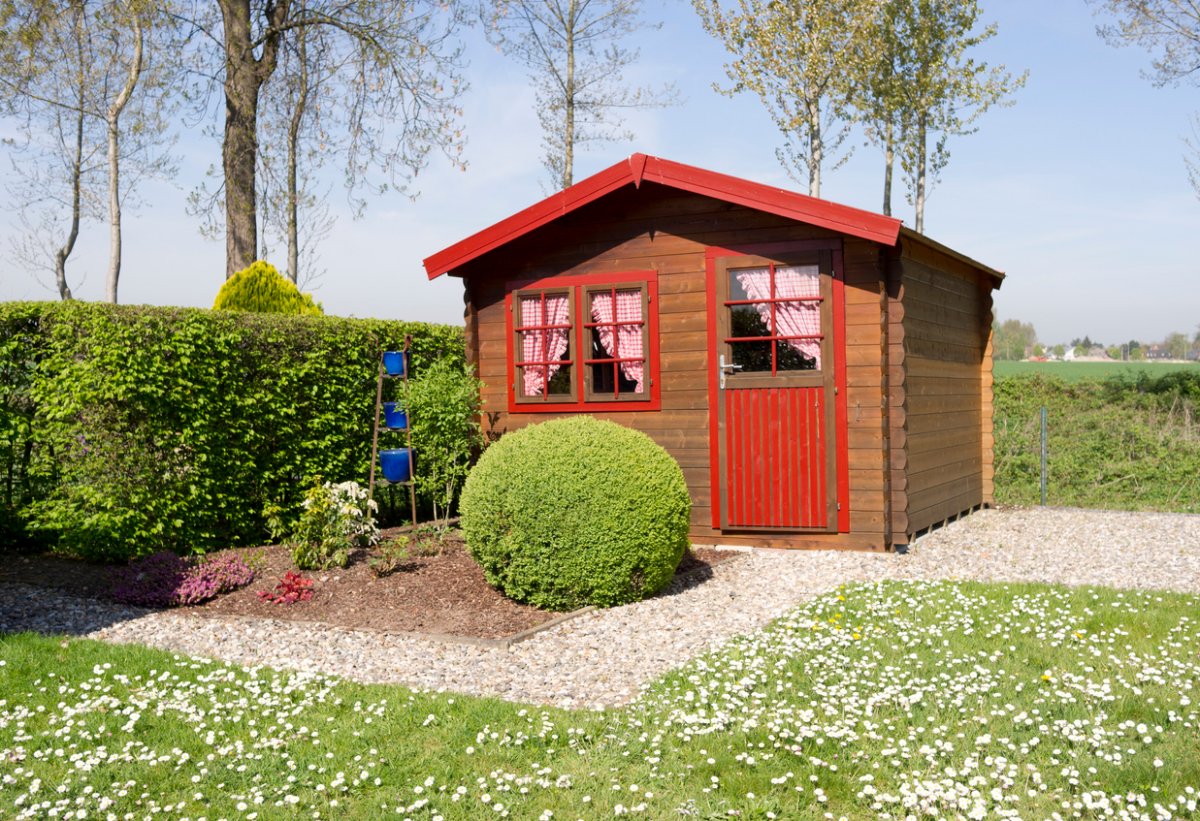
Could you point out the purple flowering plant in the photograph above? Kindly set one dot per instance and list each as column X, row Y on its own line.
column 164, row 579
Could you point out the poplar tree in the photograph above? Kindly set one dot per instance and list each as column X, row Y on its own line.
column 800, row 59
column 941, row 90
column 576, row 61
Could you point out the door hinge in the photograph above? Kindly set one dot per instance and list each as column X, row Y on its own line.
column 839, row 505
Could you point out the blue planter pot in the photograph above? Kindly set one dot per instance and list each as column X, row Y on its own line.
column 394, row 363
column 396, row 464
column 394, row 417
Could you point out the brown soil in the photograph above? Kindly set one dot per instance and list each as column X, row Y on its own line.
column 439, row 594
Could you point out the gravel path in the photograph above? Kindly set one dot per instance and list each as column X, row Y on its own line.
column 606, row 657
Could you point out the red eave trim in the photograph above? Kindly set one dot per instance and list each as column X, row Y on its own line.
column 638, row 168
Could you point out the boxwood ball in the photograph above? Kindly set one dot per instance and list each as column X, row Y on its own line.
column 576, row 511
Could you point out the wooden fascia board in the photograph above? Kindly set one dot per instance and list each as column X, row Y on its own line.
column 996, row 276
column 528, row 219
column 639, row 167
column 781, row 202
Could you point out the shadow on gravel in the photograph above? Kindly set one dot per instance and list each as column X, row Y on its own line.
column 25, row 608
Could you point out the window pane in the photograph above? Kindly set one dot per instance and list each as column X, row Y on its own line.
column 617, row 342
column 747, row 320
column 790, row 358
column 753, row 357
column 544, row 345
column 749, row 283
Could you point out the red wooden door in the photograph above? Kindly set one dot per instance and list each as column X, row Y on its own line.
column 775, row 353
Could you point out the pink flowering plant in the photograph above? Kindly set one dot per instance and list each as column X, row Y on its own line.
column 164, row 579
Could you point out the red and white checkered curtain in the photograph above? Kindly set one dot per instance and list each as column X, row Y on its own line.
column 547, row 345
column 628, row 337
column 791, row 318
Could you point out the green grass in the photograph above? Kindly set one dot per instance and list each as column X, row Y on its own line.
column 930, row 699
column 1079, row 371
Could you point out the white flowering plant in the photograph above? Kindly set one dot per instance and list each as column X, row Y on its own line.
column 336, row 519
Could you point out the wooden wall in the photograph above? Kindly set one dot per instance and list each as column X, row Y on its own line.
column 662, row 229
column 942, row 406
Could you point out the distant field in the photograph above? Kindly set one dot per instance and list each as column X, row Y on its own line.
column 1079, row 371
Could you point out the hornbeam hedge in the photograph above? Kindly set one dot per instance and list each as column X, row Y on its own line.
column 126, row 430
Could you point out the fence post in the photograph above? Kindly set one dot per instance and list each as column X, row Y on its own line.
column 1043, row 455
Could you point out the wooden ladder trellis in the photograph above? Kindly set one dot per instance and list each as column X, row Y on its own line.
column 412, row 473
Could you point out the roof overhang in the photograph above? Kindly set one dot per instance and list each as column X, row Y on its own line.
column 639, row 168
column 996, row 276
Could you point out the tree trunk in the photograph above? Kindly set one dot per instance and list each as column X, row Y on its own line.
column 114, row 160
column 293, row 191
column 922, row 162
column 816, row 154
column 60, row 256
column 244, row 77
column 569, row 126
column 889, row 160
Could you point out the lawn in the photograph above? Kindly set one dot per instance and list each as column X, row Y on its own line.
column 884, row 700
column 1078, row 371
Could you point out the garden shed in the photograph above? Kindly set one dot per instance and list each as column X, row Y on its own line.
column 822, row 374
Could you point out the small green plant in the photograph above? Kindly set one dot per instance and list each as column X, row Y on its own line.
column 261, row 289
column 393, row 554
column 443, row 403
column 336, row 519
column 430, row 538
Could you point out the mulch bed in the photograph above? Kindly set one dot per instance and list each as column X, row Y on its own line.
column 442, row 594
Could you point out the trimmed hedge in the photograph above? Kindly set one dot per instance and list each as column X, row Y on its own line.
column 127, row 430
column 576, row 511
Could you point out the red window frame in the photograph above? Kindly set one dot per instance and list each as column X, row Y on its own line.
column 583, row 398
column 773, row 336
column 571, row 362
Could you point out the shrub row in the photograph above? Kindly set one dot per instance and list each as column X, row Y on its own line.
column 127, row 430
column 1121, row 443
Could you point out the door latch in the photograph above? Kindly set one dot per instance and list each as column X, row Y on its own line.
column 724, row 369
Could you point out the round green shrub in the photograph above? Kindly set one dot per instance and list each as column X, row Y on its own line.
column 576, row 511
column 262, row 289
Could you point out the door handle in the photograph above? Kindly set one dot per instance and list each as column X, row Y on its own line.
column 724, row 368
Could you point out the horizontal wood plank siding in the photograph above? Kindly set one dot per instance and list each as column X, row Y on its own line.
column 945, row 310
column 667, row 231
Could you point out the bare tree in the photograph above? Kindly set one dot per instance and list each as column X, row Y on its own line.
column 573, row 51
column 46, row 71
column 799, row 59
column 396, row 70
column 73, row 69
column 1170, row 31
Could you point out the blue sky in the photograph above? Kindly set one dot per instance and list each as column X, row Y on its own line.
column 1078, row 192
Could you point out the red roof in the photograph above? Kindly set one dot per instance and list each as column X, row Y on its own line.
column 639, row 167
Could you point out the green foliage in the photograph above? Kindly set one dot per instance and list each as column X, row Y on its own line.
column 1123, row 443
column 262, row 289
column 126, row 430
column 336, row 519
column 443, row 404
column 1012, row 339
column 576, row 511
column 800, row 59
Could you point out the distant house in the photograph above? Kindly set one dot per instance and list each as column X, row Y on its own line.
column 1157, row 352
